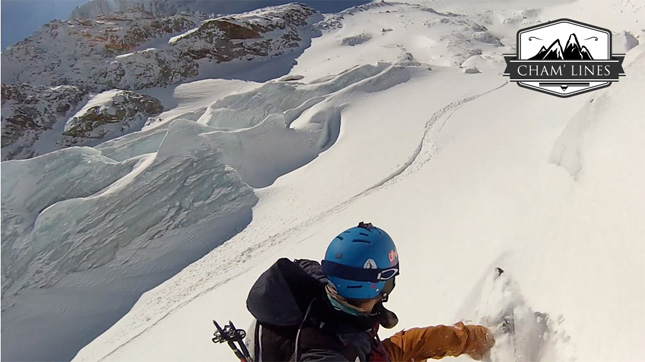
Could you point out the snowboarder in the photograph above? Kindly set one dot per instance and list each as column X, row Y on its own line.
column 306, row 311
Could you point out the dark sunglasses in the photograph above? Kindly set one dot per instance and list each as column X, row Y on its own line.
column 387, row 289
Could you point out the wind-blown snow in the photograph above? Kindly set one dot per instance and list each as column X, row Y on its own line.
column 415, row 32
column 97, row 212
column 86, row 229
column 249, row 109
column 73, row 173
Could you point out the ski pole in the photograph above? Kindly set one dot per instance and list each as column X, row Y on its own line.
column 230, row 335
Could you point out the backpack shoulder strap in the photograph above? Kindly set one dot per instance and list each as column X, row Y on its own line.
column 274, row 343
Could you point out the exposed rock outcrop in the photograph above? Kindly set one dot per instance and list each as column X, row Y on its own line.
column 40, row 119
column 264, row 32
column 109, row 114
column 28, row 111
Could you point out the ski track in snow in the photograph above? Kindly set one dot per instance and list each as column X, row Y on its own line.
column 426, row 141
column 413, row 164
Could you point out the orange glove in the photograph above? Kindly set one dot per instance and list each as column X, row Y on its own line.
column 480, row 340
column 418, row 344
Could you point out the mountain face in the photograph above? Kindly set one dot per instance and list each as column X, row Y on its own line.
column 29, row 111
column 111, row 114
column 265, row 32
column 96, row 8
column 572, row 51
column 129, row 51
column 162, row 8
column 77, row 52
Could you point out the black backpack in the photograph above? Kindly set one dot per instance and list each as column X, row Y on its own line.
column 287, row 325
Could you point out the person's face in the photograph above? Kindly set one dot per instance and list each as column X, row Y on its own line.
column 368, row 305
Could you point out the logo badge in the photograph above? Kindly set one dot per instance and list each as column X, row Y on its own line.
column 392, row 255
column 564, row 58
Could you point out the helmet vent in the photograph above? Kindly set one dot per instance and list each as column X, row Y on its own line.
column 361, row 241
column 340, row 237
column 354, row 286
column 363, row 234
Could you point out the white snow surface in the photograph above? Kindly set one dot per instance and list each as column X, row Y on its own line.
column 465, row 171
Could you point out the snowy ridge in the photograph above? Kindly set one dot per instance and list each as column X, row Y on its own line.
column 74, row 51
column 107, row 7
column 269, row 31
column 95, row 8
column 570, row 147
column 411, row 32
column 101, row 53
column 114, row 52
column 277, row 97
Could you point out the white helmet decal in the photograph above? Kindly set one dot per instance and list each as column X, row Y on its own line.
column 370, row 264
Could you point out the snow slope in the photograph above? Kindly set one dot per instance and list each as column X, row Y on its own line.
column 465, row 171
column 462, row 169
column 455, row 212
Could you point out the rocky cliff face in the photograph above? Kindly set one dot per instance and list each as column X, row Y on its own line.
column 78, row 52
column 40, row 119
column 132, row 50
column 108, row 115
column 162, row 8
column 96, row 8
column 265, row 32
column 29, row 111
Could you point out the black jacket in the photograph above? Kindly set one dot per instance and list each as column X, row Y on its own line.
column 296, row 322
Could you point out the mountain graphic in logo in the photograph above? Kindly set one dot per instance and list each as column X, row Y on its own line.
column 572, row 51
column 564, row 69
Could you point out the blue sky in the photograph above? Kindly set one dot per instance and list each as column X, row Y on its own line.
column 20, row 18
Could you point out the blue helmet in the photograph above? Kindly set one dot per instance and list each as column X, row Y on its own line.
column 360, row 261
